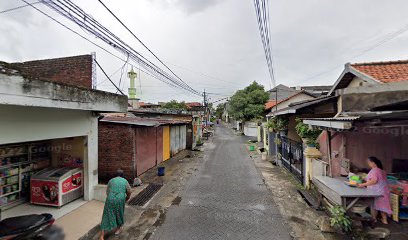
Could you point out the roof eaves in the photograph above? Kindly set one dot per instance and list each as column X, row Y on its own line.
column 138, row 123
column 346, row 70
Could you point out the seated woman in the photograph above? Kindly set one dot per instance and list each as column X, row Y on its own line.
column 118, row 192
column 377, row 182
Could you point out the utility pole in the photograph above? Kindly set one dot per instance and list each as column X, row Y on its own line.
column 205, row 112
column 205, row 107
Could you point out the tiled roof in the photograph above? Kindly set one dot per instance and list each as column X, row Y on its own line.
column 392, row 71
column 269, row 104
column 193, row 104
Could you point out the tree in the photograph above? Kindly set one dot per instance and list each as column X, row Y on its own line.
column 248, row 103
column 219, row 110
column 173, row 104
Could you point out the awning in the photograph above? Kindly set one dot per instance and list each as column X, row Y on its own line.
column 346, row 119
column 330, row 123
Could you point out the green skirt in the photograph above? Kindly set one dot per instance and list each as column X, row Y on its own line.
column 113, row 213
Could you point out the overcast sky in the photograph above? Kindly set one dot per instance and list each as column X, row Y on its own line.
column 215, row 44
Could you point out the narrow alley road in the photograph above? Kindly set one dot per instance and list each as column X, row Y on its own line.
column 227, row 199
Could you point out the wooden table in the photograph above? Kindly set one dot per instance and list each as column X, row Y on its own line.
column 335, row 190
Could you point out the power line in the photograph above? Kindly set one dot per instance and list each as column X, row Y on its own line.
column 121, row 73
column 144, row 45
column 200, row 73
column 18, row 7
column 87, row 23
column 106, row 75
column 219, row 100
column 262, row 13
column 100, row 83
column 88, row 40
column 81, row 36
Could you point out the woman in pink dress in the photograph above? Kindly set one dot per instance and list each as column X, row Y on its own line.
column 377, row 182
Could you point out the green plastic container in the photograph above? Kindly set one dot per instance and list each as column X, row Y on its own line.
column 251, row 148
column 356, row 179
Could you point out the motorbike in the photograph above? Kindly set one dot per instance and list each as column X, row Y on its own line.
column 32, row 227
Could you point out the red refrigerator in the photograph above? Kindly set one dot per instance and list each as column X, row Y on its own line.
column 56, row 186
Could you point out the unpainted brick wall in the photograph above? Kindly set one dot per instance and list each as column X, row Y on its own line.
column 74, row 71
column 115, row 150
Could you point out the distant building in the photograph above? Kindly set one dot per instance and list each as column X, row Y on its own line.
column 281, row 92
column 318, row 91
column 149, row 105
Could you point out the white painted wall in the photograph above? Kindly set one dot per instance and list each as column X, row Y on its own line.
column 251, row 129
column 298, row 98
column 15, row 90
column 25, row 124
column 357, row 82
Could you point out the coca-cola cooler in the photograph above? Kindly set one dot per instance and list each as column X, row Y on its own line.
column 56, row 186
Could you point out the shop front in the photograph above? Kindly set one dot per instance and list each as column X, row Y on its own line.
column 49, row 143
column 48, row 158
column 48, row 172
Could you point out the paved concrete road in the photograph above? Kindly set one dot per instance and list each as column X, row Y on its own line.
column 226, row 199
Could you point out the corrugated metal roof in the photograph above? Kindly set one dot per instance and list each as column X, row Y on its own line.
column 141, row 121
column 344, row 118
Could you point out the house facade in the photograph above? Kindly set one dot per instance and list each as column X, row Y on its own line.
column 370, row 118
column 363, row 115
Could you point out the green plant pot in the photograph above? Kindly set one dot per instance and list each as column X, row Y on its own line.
column 251, row 148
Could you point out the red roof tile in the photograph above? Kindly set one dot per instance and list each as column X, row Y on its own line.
column 193, row 104
column 269, row 104
column 393, row 71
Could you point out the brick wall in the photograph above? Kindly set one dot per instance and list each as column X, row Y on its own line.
column 115, row 151
column 75, row 71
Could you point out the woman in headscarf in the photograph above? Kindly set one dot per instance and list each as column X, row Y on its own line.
column 377, row 182
column 118, row 192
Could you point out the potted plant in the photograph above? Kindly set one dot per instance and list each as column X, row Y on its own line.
column 308, row 133
column 271, row 125
column 282, row 125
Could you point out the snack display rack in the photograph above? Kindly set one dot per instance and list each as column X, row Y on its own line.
column 18, row 162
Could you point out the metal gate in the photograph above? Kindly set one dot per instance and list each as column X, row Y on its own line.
column 292, row 157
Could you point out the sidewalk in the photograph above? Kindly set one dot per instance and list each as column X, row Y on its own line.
column 78, row 222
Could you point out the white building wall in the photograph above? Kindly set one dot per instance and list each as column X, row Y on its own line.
column 251, row 129
column 24, row 124
column 298, row 98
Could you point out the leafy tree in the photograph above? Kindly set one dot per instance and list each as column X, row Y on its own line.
column 248, row 103
column 219, row 110
column 173, row 104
